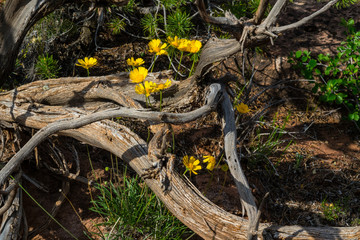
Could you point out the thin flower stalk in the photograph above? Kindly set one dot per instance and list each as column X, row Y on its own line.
column 138, row 75
column 160, row 88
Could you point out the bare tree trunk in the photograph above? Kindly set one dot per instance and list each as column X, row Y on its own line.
column 17, row 17
column 15, row 21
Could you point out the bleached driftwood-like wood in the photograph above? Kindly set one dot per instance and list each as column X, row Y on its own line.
column 233, row 161
column 184, row 200
column 76, row 121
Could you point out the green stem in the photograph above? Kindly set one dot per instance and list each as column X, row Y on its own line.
column 192, row 67
column 182, row 53
column 88, row 72
column 173, row 141
column 148, row 136
column 42, row 208
column 152, row 67
column 160, row 100
column 171, row 55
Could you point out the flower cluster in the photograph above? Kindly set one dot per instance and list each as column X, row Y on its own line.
column 138, row 75
column 192, row 164
column 185, row 45
column 135, row 63
column 155, row 46
column 149, row 87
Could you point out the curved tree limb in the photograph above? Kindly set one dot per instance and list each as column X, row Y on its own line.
column 247, row 199
column 305, row 19
column 249, row 34
column 79, row 121
column 184, row 200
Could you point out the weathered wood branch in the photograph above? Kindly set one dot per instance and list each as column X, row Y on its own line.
column 184, row 200
column 305, row 19
column 260, row 12
column 79, row 121
column 247, row 199
column 274, row 14
column 245, row 31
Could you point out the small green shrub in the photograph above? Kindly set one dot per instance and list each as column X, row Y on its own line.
column 149, row 24
column 345, row 3
column 116, row 25
column 132, row 210
column 332, row 211
column 265, row 145
column 47, row 67
column 179, row 24
column 337, row 77
column 242, row 8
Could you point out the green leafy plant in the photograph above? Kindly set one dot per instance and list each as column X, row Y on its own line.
column 116, row 25
column 130, row 6
column 132, row 210
column 263, row 145
column 169, row 4
column 332, row 211
column 47, row 67
column 345, row 3
column 242, row 8
column 149, row 24
column 179, row 24
column 337, row 77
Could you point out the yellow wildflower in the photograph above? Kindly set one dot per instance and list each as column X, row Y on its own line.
column 145, row 88
column 162, row 86
column 194, row 46
column 242, row 108
column 135, row 63
column 175, row 42
column 155, row 46
column 86, row 62
column 138, row 75
column 191, row 164
column 211, row 162
column 183, row 45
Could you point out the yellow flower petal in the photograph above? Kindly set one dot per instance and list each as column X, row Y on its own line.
column 242, row 108
column 183, row 45
column 194, row 46
column 162, row 86
column 135, row 63
column 173, row 41
column 86, row 62
column 211, row 162
column 138, row 75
